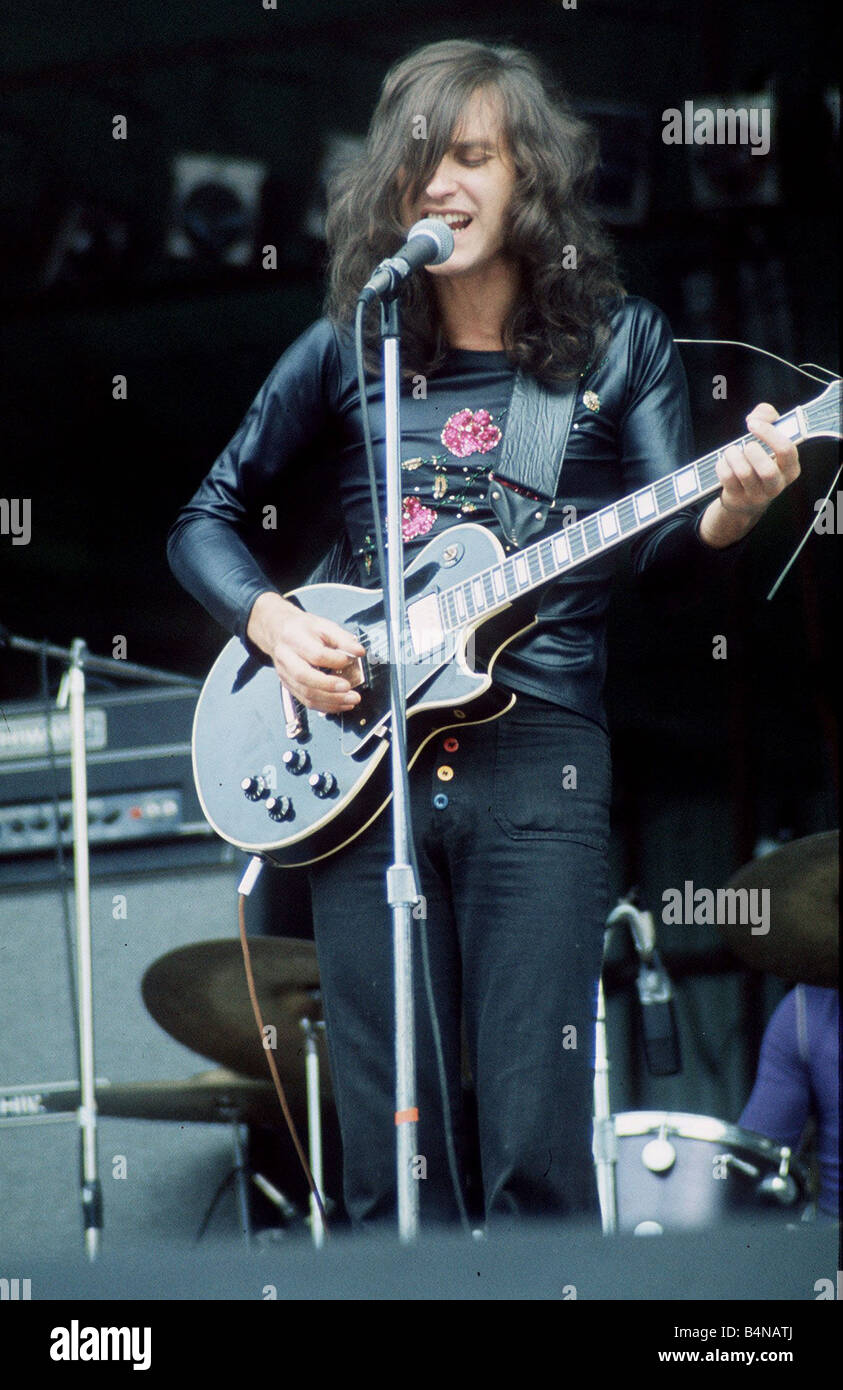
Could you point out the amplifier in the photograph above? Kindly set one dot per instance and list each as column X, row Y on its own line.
column 140, row 778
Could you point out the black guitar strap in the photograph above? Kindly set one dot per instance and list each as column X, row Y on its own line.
column 524, row 485
column 522, row 488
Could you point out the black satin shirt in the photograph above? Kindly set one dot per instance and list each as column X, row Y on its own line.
column 631, row 425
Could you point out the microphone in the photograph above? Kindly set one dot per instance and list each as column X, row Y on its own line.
column 430, row 242
column 658, row 1019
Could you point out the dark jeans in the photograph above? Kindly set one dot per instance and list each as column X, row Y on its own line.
column 512, row 852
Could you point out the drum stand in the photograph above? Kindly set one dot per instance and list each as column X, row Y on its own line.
column 314, row 1125
column 241, row 1182
column 314, row 1133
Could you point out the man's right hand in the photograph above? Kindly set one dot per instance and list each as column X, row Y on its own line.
column 300, row 646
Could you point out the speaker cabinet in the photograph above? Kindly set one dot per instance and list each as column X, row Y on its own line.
column 158, row 1177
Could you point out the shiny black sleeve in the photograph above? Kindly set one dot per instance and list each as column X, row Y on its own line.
column 655, row 438
column 207, row 545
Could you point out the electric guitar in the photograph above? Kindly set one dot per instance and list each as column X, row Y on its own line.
column 293, row 785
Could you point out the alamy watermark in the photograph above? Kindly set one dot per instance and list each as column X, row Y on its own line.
column 707, row 907
column 82, row 1343
column 720, row 125
column 16, row 519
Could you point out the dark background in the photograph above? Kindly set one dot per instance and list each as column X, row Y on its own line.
column 711, row 755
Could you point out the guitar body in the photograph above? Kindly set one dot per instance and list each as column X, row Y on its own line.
column 295, row 786
column 240, row 731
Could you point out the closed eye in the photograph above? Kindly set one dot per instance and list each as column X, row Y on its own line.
column 472, row 154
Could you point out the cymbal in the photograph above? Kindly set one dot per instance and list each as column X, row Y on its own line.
column 209, row 1097
column 801, row 943
column 199, row 995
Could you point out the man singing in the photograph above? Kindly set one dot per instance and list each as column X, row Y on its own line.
column 510, row 817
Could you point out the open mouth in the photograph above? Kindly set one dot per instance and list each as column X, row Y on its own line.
column 457, row 221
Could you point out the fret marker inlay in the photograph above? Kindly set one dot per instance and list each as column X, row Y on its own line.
column 645, row 503
column 686, row 481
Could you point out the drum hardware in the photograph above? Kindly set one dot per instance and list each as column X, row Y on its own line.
column 42, row 1102
column 730, row 1161
column 695, row 1191
column 210, row 1097
column 199, row 995
column 314, row 1122
column 781, row 1186
column 659, row 1155
column 241, row 1183
column 678, row 1182
column 274, row 1195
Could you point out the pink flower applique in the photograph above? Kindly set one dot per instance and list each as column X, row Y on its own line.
column 416, row 519
column 470, row 432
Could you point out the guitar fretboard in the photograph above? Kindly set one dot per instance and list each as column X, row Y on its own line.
column 579, row 541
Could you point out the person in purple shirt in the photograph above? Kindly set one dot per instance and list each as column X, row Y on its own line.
column 799, row 1076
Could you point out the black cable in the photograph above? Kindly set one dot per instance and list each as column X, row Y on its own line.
column 399, row 733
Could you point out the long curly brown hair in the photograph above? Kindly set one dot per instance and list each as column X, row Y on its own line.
column 560, row 321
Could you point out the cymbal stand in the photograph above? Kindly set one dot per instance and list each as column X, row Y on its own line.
column 241, row 1182
column 314, row 1124
column 72, row 693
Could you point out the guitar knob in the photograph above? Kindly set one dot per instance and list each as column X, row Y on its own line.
column 279, row 808
column 323, row 783
column 253, row 788
column 296, row 760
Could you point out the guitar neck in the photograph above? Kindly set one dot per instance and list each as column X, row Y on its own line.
column 556, row 554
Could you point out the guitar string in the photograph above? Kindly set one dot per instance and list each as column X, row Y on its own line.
column 607, row 543
column 577, row 531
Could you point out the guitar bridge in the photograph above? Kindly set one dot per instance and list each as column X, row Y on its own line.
column 356, row 672
column 295, row 715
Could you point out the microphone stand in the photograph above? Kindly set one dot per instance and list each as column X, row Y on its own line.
column 402, row 889
column 72, row 692
column 605, row 1145
column 605, row 1140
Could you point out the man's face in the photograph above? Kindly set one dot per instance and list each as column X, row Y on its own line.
column 470, row 190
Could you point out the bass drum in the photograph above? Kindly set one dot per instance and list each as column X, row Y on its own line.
column 682, row 1172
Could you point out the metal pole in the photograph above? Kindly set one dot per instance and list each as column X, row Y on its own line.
column 74, row 683
column 314, row 1126
column 605, row 1140
column 241, row 1182
column 402, row 890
